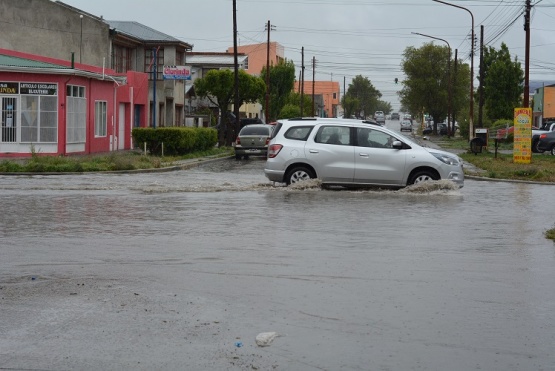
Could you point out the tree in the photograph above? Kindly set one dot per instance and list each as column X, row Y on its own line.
column 426, row 86
column 350, row 105
column 282, row 82
column 503, row 83
column 218, row 87
column 366, row 94
column 384, row 106
column 292, row 106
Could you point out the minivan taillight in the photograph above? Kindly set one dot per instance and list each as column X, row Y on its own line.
column 543, row 136
column 238, row 141
column 273, row 150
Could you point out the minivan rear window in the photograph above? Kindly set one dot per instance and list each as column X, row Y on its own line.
column 298, row 132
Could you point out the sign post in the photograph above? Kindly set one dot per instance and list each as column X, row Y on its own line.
column 522, row 148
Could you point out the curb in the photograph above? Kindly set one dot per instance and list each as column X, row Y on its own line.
column 182, row 165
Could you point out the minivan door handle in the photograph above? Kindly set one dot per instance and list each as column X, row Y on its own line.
column 313, row 151
column 363, row 155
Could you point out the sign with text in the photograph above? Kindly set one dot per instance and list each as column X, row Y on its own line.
column 177, row 73
column 32, row 88
column 522, row 148
column 9, row 88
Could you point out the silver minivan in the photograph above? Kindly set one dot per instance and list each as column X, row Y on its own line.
column 353, row 153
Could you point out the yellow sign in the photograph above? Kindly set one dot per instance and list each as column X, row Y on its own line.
column 522, row 148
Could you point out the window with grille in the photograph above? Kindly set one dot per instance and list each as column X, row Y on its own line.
column 76, row 111
column 39, row 119
column 100, row 119
column 121, row 59
column 149, row 63
column 179, row 58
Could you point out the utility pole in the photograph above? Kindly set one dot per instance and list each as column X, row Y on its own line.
column 481, row 92
column 268, row 27
column 455, row 82
column 236, row 62
column 302, row 79
column 313, row 81
column 344, row 94
column 527, row 56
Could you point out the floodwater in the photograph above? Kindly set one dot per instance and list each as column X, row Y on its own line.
column 182, row 270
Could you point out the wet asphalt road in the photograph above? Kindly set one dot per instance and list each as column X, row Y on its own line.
column 181, row 270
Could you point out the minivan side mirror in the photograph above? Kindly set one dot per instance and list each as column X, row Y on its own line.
column 397, row 145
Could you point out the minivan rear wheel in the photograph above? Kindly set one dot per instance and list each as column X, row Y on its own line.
column 299, row 174
column 422, row 176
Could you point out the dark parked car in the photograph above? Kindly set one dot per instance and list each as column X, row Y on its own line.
column 395, row 116
column 442, row 129
column 546, row 142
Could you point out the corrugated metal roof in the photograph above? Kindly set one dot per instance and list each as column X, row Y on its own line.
column 7, row 60
column 140, row 31
column 219, row 60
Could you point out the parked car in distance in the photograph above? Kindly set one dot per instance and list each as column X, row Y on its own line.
column 351, row 153
column 442, row 129
column 407, row 116
column 379, row 117
column 395, row 116
column 406, row 125
column 546, row 142
column 253, row 141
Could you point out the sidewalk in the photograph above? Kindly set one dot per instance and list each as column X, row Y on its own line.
column 432, row 141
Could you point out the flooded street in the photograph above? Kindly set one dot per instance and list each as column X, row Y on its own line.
column 181, row 270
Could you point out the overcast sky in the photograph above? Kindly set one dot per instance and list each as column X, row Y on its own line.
column 348, row 37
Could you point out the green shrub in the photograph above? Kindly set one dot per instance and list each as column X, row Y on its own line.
column 175, row 140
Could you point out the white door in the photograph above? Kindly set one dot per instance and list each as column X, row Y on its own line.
column 121, row 126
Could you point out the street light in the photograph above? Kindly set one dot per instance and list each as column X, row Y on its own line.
column 448, row 79
column 81, row 40
column 471, row 118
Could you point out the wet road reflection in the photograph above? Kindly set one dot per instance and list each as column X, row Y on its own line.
column 437, row 279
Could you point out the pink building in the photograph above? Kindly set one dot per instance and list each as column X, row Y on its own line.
column 56, row 107
column 325, row 92
column 258, row 56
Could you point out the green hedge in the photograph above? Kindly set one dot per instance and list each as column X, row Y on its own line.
column 176, row 140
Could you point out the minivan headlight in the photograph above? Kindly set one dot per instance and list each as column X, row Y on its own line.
column 449, row 160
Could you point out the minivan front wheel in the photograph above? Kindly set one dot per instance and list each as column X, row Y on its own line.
column 422, row 176
column 298, row 174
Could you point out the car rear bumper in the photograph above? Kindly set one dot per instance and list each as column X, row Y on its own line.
column 251, row 151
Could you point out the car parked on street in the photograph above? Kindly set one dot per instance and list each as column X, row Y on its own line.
column 546, row 142
column 406, row 125
column 379, row 117
column 253, row 141
column 352, row 153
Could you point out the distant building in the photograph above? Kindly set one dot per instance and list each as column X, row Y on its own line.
column 258, row 54
column 201, row 63
column 137, row 47
column 326, row 97
column 543, row 104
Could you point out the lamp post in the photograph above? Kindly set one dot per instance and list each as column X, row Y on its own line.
column 448, row 79
column 81, row 38
column 471, row 118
